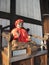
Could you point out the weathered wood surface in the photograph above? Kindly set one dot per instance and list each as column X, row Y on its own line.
column 11, row 59
column 25, row 58
column 38, row 53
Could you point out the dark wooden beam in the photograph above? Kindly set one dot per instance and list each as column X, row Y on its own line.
column 28, row 20
column 5, row 15
column 13, row 6
column 14, row 17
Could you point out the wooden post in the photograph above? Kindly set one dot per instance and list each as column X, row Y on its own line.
column 43, row 60
column 32, row 61
column 9, row 53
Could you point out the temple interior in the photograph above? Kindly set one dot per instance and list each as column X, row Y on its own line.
column 31, row 46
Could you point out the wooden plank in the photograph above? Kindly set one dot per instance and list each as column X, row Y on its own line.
column 25, row 56
column 4, row 59
column 43, row 60
column 27, row 62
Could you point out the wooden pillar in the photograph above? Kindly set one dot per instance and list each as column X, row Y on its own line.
column 43, row 60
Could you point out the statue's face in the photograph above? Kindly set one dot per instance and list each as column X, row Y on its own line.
column 19, row 25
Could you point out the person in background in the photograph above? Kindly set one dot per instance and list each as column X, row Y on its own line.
column 19, row 33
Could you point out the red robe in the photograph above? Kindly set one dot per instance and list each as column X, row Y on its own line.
column 20, row 34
